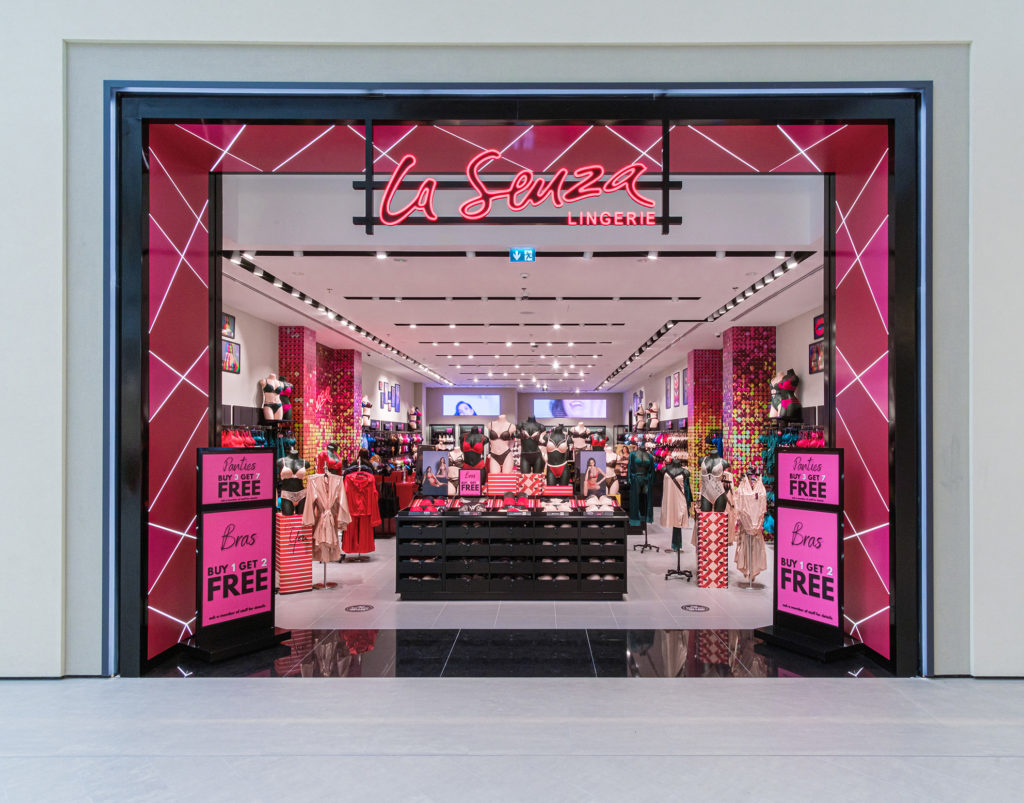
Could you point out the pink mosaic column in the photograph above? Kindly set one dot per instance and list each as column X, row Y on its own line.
column 704, row 392
column 748, row 365
column 296, row 355
column 337, row 412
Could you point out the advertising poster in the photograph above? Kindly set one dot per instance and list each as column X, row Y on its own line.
column 675, row 389
column 470, row 482
column 231, row 477
column 809, row 477
column 435, row 474
column 235, row 563
column 592, row 466
column 807, row 552
column 668, row 392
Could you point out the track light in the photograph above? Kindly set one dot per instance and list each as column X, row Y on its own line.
column 296, row 293
column 278, row 283
column 257, row 272
column 308, row 300
column 236, row 257
column 588, row 254
column 719, row 254
column 412, row 326
column 248, row 255
column 471, row 254
column 382, row 255
column 780, row 254
column 791, row 263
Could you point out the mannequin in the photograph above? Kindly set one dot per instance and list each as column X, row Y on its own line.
column 500, row 434
column 455, row 462
column 785, row 404
column 597, row 442
column 712, row 488
column 270, row 387
column 676, row 499
column 641, row 477
column 286, row 401
column 531, row 459
column 580, row 435
column 556, row 445
column 473, row 450
column 611, row 476
column 750, row 499
column 329, row 459
column 291, row 469
column 641, row 419
column 652, row 416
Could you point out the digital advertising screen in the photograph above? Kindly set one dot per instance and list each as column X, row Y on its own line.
column 572, row 407
column 469, row 404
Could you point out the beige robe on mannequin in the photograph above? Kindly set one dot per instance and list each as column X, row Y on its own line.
column 327, row 510
column 751, row 504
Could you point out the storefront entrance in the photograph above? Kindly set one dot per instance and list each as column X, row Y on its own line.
column 862, row 157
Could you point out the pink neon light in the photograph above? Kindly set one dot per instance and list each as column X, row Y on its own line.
column 524, row 190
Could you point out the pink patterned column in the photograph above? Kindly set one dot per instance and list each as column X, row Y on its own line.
column 704, row 391
column 337, row 414
column 748, row 365
column 296, row 357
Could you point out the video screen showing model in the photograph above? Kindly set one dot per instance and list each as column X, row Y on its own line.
column 569, row 408
column 469, row 404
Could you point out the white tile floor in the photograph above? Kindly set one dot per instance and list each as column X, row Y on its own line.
column 652, row 601
column 511, row 740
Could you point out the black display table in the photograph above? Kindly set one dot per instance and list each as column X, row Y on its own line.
column 453, row 557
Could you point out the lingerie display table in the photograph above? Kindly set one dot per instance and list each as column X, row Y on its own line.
column 449, row 556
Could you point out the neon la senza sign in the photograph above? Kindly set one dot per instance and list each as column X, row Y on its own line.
column 524, row 190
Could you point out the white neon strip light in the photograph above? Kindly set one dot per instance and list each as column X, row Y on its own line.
column 513, row 142
column 802, row 151
column 809, row 147
column 181, row 378
column 167, row 615
column 392, row 146
column 476, row 145
column 181, row 454
column 857, row 380
column 843, row 217
column 722, row 147
column 178, row 373
column 219, row 148
column 224, row 152
column 864, row 462
column 172, row 530
column 174, row 275
column 177, row 251
column 636, row 147
column 198, row 217
column 857, row 263
column 571, row 146
column 313, row 141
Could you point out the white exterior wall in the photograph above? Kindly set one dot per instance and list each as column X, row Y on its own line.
column 55, row 55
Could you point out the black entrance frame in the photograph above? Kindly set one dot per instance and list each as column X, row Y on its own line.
column 903, row 106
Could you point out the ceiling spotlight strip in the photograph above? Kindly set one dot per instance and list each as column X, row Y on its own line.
column 245, row 262
column 792, row 261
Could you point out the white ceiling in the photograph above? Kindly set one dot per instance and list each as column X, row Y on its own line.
column 586, row 297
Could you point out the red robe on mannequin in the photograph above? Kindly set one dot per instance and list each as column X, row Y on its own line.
column 361, row 494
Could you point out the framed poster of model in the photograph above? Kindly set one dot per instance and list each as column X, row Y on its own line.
column 230, row 357
column 227, row 326
column 435, row 473
column 675, row 389
column 668, row 392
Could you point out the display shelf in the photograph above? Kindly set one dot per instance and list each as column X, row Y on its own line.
column 494, row 557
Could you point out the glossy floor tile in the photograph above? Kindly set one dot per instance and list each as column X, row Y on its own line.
column 651, row 601
column 490, row 651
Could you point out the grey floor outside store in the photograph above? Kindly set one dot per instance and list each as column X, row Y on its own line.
column 412, row 739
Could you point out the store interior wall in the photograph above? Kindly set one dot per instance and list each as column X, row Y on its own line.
column 258, row 339
column 374, row 374
column 654, row 390
column 792, row 340
column 60, row 628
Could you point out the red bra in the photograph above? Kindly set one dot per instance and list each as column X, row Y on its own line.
column 478, row 448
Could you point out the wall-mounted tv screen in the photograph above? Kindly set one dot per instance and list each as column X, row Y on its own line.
column 470, row 404
column 575, row 408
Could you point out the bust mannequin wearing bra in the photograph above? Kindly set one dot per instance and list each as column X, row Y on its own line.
column 556, row 446
column 531, row 458
column 473, row 450
column 330, row 459
column 291, row 469
column 270, row 387
column 580, row 435
column 455, row 462
column 713, row 493
column 641, row 418
column 500, row 434
column 611, row 475
column 652, row 416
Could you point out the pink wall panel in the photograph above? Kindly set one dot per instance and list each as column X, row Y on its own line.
column 704, row 413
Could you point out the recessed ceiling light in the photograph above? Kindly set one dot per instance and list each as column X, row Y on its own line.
column 719, row 254
column 588, row 254
column 549, row 343
column 571, row 344
column 451, row 326
column 398, row 299
column 434, row 343
column 557, row 326
column 516, row 365
column 471, row 356
column 382, row 255
column 471, row 254
column 456, row 343
column 458, row 366
column 508, row 344
column 652, row 255
column 412, row 326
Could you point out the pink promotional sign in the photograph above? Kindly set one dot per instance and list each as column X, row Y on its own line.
column 241, row 475
column 810, row 477
column 235, row 564
column 807, row 552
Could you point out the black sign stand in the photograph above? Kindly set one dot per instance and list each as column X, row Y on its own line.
column 818, row 640
column 245, row 634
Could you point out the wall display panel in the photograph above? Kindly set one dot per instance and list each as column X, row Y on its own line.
column 569, row 407
column 470, row 404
